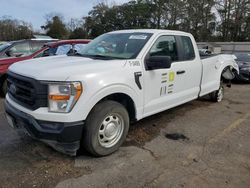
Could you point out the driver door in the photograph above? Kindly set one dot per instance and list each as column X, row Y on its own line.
column 159, row 84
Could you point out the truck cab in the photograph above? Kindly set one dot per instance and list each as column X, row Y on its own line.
column 89, row 99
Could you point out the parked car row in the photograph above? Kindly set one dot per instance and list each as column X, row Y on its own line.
column 28, row 49
column 21, row 47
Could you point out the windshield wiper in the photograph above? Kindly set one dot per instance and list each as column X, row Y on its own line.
column 97, row 56
column 74, row 54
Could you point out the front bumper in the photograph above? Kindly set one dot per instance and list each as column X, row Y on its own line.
column 63, row 137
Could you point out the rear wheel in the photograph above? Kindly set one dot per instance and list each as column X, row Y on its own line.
column 217, row 96
column 106, row 128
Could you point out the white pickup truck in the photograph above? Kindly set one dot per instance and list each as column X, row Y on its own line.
column 89, row 99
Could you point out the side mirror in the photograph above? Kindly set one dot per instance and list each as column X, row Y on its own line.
column 9, row 53
column 158, row 62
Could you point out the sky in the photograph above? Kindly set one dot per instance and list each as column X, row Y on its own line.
column 34, row 11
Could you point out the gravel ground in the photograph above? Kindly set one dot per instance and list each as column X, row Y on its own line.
column 199, row 144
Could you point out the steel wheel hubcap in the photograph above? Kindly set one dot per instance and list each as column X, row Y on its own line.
column 111, row 130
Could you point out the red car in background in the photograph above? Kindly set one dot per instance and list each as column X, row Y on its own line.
column 50, row 49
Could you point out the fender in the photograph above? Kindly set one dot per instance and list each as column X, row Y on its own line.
column 113, row 89
column 228, row 61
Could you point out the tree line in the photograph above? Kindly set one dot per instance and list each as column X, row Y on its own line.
column 13, row 29
column 207, row 20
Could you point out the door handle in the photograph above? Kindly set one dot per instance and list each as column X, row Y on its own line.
column 180, row 72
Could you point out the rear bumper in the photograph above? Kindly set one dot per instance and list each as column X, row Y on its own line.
column 64, row 137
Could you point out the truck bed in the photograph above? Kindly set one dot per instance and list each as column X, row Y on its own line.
column 211, row 73
column 208, row 56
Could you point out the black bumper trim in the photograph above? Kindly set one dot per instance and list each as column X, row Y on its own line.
column 64, row 137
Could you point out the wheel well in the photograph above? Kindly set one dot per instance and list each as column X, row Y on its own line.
column 228, row 74
column 126, row 101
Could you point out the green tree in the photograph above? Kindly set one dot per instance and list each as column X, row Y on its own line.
column 129, row 15
column 55, row 27
column 197, row 17
column 234, row 17
column 78, row 33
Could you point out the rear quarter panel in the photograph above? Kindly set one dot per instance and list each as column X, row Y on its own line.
column 212, row 70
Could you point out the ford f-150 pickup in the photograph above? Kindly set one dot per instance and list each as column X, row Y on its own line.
column 87, row 100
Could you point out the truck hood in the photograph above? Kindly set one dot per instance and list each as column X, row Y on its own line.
column 60, row 68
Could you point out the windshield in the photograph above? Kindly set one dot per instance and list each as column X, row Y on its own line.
column 243, row 57
column 4, row 46
column 116, row 45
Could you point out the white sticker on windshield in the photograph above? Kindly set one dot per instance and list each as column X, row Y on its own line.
column 138, row 37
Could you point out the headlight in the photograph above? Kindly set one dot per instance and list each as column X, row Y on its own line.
column 63, row 96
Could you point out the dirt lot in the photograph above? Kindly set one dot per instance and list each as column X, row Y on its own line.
column 199, row 144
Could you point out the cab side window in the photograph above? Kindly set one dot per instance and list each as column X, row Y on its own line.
column 35, row 46
column 21, row 49
column 165, row 46
column 188, row 48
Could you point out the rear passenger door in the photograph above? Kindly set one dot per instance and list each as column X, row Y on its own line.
column 186, row 71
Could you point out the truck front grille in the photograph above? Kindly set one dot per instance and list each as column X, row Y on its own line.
column 27, row 92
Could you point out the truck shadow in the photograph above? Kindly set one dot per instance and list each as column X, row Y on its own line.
column 147, row 129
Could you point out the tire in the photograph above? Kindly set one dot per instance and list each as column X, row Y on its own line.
column 3, row 88
column 218, row 95
column 106, row 128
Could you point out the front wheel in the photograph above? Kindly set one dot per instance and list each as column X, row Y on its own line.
column 217, row 96
column 106, row 128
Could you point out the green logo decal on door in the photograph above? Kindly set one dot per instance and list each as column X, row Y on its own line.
column 171, row 76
